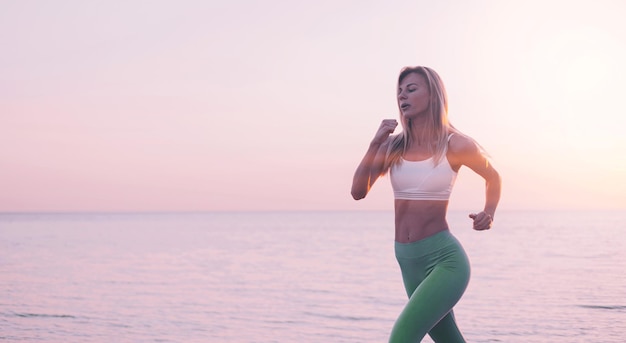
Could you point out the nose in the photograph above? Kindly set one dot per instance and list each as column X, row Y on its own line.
column 401, row 96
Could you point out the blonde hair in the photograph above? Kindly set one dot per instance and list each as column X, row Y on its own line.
column 435, row 132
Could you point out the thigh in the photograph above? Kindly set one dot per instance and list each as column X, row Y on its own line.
column 432, row 300
column 437, row 289
column 413, row 273
column 446, row 331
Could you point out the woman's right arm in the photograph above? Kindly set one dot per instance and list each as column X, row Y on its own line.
column 372, row 164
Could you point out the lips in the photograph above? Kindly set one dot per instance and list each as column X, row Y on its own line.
column 404, row 106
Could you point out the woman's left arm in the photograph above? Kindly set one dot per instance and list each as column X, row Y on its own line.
column 466, row 152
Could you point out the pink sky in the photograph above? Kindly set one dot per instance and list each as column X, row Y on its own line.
column 250, row 105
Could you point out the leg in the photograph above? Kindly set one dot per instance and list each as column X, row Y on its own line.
column 446, row 330
column 435, row 274
column 429, row 304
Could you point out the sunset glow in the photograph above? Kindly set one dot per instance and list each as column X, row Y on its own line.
column 236, row 106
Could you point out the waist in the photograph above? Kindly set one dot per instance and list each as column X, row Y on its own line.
column 426, row 246
column 418, row 219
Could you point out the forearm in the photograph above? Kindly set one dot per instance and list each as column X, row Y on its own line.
column 364, row 176
column 493, row 188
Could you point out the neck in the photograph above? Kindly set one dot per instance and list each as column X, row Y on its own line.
column 418, row 131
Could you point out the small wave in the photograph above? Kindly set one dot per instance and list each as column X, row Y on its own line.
column 41, row 315
column 340, row 317
column 605, row 307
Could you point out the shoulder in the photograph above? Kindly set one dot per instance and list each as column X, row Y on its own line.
column 464, row 150
column 460, row 144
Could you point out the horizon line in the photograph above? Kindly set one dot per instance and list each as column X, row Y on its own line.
column 162, row 212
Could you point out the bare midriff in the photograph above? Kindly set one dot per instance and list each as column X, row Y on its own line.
column 418, row 219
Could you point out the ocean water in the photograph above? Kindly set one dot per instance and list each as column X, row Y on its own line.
column 299, row 277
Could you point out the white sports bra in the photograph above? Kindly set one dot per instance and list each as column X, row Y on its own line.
column 422, row 180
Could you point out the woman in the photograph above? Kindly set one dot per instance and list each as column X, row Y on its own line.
column 423, row 162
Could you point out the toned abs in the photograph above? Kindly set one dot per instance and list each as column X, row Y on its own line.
column 418, row 219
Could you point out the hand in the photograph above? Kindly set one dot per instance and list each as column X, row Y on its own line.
column 482, row 221
column 387, row 126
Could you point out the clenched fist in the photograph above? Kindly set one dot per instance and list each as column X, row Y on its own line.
column 386, row 128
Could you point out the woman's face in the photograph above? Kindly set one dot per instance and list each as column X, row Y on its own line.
column 413, row 96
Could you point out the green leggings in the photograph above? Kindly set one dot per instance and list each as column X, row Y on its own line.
column 435, row 271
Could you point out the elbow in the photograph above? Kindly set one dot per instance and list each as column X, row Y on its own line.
column 494, row 180
column 497, row 178
column 358, row 194
column 493, row 176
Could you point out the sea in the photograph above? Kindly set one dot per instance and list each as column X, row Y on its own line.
column 301, row 277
